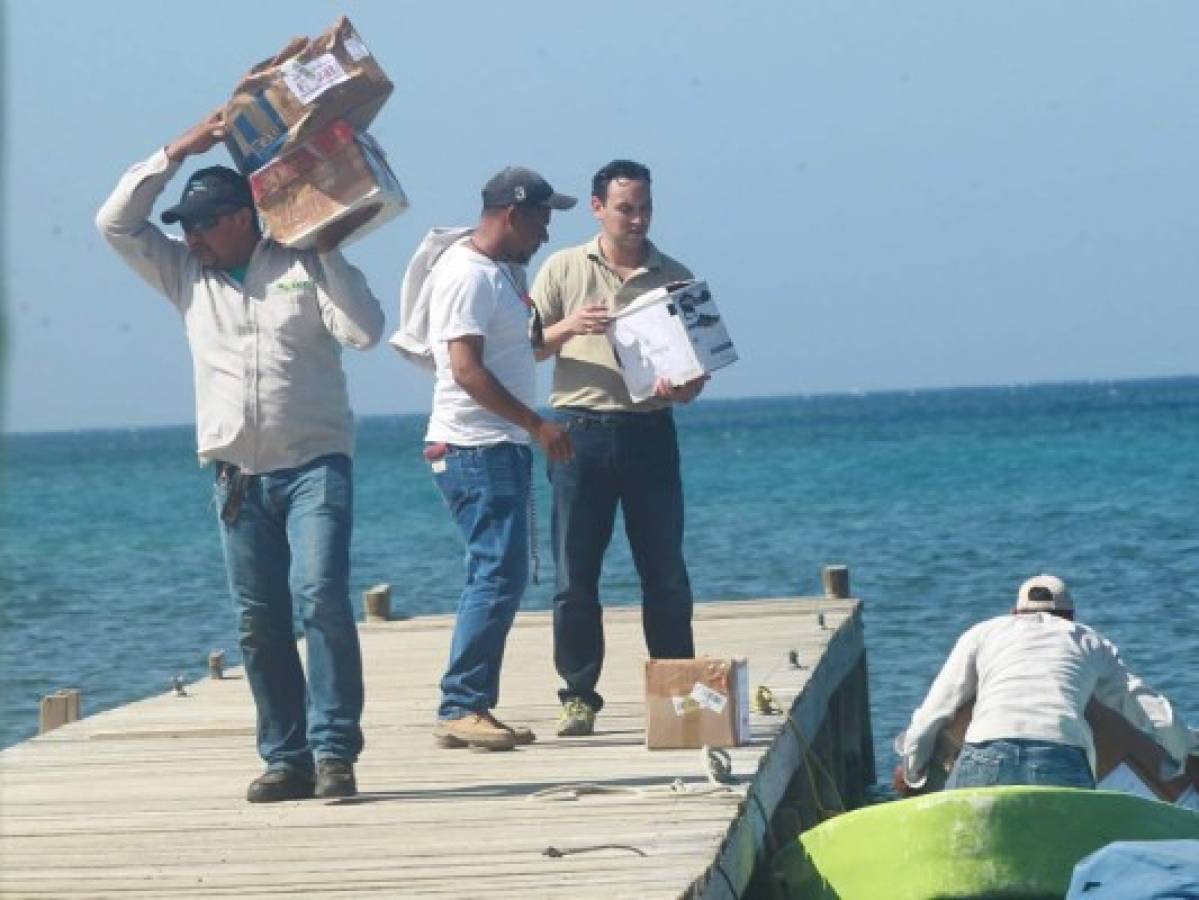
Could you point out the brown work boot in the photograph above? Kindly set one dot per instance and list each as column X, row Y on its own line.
column 280, row 784
column 523, row 735
column 476, row 730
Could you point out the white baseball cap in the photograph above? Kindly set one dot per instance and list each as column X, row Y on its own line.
column 1058, row 598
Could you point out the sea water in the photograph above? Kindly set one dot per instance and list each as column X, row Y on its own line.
column 940, row 502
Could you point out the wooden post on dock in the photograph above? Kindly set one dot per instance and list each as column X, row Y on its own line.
column 58, row 709
column 377, row 603
column 836, row 582
column 216, row 664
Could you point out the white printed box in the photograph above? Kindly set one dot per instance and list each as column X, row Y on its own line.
column 673, row 332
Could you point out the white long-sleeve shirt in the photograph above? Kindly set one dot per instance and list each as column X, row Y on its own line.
column 266, row 354
column 1031, row 676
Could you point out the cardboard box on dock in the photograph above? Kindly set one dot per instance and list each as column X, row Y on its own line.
column 331, row 175
column 696, row 702
column 1126, row 759
column 287, row 98
column 675, row 332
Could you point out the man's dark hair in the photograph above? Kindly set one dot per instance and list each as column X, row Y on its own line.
column 618, row 168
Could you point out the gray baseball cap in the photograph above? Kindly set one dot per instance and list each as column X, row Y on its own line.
column 518, row 186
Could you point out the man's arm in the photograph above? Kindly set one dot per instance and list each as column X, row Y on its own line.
column 349, row 310
column 559, row 326
column 466, row 363
column 592, row 318
column 955, row 684
column 1143, row 707
column 124, row 219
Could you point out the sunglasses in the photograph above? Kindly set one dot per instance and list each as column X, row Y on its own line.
column 202, row 223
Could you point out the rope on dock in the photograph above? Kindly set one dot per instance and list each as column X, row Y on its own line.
column 678, row 788
column 716, row 762
column 808, row 757
column 764, row 702
column 558, row 852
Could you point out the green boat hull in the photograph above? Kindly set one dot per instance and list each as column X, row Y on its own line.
column 1004, row 842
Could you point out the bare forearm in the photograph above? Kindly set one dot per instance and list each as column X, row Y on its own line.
column 553, row 339
column 590, row 319
column 486, row 390
column 200, row 138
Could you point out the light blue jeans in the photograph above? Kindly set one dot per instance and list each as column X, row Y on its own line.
column 487, row 492
column 290, row 542
column 1021, row 762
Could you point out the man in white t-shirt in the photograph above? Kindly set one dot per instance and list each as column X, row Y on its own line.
column 1031, row 675
column 481, row 332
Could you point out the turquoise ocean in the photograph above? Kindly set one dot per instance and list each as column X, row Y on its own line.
column 940, row 501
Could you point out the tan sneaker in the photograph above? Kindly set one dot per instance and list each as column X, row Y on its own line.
column 479, row 730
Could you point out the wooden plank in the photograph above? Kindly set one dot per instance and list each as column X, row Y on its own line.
column 146, row 800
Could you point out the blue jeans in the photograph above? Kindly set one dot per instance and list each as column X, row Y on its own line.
column 1021, row 762
column 630, row 460
column 487, row 492
column 290, row 542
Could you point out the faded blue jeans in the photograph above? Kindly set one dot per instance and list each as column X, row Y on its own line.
column 989, row 763
column 290, row 544
column 630, row 460
column 487, row 492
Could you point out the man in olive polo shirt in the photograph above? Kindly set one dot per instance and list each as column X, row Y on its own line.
column 626, row 453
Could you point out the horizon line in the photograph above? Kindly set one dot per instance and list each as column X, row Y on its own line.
column 849, row 392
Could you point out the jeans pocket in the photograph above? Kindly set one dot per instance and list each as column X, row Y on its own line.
column 1060, row 773
column 976, row 768
column 507, row 470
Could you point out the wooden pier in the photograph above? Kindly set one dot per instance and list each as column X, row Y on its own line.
column 147, row 800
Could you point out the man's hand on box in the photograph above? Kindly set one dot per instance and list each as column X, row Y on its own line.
column 200, row 138
column 590, row 319
column 331, row 236
column 684, row 393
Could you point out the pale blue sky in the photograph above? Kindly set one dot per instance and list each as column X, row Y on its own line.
column 881, row 194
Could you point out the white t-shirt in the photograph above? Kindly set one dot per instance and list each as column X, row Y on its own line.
column 471, row 295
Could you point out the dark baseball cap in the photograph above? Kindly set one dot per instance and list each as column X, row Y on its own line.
column 214, row 191
column 518, row 186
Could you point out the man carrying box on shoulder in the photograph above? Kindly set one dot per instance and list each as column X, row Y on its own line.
column 626, row 453
column 265, row 326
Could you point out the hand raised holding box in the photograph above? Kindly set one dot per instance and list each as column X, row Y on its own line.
column 200, row 138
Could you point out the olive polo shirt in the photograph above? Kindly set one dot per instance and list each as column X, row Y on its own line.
column 586, row 372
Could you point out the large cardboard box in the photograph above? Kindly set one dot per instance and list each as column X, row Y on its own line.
column 1125, row 758
column 696, row 702
column 333, row 174
column 284, row 100
column 675, row 332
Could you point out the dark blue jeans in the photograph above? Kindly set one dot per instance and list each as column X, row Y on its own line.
column 630, row 460
column 290, row 542
column 990, row 763
column 487, row 491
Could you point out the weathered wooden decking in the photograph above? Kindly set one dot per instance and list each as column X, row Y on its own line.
column 147, row 800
